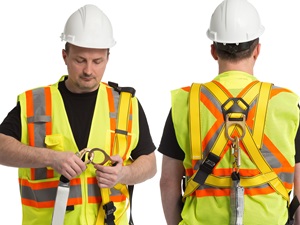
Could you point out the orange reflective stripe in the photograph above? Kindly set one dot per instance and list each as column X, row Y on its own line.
column 187, row 89
column 48, row 109
column 212, row 192
column 28, row 202
column 113, row 120
column 29, row 113
column 49, row 204
column 46, row 184
column 226, row 191
column 38, row 186
column 276, row 91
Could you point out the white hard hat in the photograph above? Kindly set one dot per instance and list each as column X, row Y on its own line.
column 89, row 27
column 234, row 21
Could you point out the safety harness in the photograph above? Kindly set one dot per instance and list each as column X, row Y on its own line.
column 39, row 125
column 234, row 130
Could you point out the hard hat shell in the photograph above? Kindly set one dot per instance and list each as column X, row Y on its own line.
column 234, row 21
column 89, row 27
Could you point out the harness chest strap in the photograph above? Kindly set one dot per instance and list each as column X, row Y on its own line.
column 267, row 174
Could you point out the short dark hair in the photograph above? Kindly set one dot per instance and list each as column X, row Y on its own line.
column 233, row 52
column 67, row 48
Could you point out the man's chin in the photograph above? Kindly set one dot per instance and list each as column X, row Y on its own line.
column 88, row 87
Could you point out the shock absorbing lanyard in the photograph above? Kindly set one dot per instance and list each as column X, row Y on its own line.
column 236, row 191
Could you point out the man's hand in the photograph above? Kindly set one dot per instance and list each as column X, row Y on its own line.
column 109, row 176
column 68, row 164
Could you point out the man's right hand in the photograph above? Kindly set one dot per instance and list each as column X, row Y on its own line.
column 68, row 164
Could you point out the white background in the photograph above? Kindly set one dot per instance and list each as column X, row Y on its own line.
column 161, row 45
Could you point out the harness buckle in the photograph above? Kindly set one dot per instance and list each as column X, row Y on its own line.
column 109, row 209
column 206, row 168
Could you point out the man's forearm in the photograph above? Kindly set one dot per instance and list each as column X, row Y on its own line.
column 15, row 154
column 172, row 204
column 143, row 168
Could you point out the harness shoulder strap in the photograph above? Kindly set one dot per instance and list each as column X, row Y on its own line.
column 194, row 121
column 120, row 147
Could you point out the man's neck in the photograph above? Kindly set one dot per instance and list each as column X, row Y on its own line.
column 245, row 66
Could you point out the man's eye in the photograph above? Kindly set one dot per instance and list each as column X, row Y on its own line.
column 98, row 61
column 79, row 60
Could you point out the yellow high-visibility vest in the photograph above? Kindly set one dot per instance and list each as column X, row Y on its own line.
column 210, row 203
column 52, row 130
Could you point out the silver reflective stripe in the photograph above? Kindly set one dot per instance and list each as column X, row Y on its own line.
column 116, row 100
column 39, row 119
column 39, row 111
column 116, row 96
column 60, row 203
column 236, row 203
column 94, row 191
column 39, row 196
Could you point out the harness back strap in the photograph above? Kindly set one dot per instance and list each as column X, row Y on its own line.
column 120, row 147
column 211, row 160
column 194, row 117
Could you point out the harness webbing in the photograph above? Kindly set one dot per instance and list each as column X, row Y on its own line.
column 120, row 147
column 194, row 117
column 251, row 143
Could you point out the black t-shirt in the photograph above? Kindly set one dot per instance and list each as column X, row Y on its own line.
column 170, row 147
column 80, row 109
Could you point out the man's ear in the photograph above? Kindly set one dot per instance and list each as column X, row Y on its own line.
column 213, row 52
column 64, row 55
column 256, row 51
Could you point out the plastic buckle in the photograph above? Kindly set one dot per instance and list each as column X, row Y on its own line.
column 206, row 168
column 109, row 209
